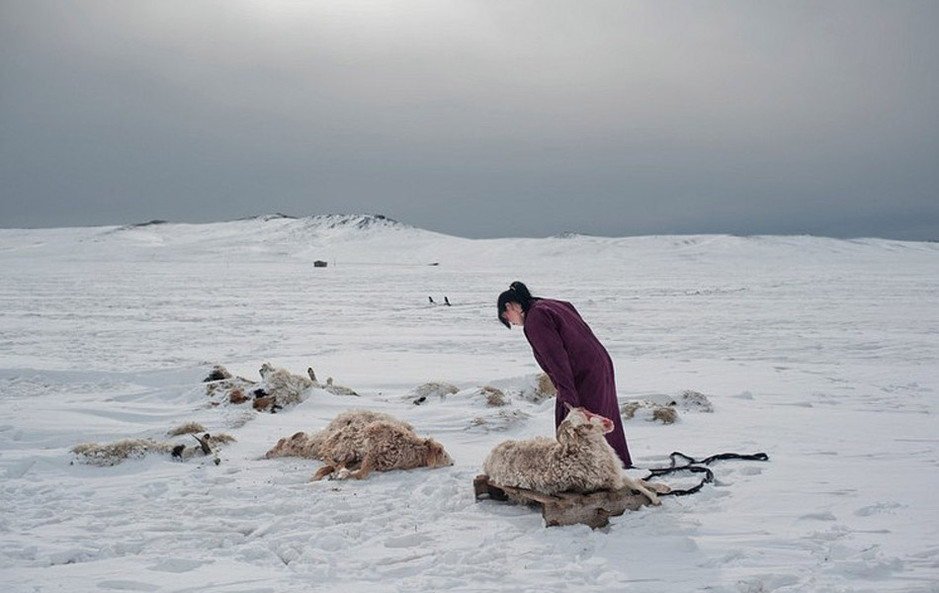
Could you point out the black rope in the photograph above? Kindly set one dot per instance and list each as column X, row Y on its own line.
column 696, row 466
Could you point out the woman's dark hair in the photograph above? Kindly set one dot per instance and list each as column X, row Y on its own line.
column 517, row 293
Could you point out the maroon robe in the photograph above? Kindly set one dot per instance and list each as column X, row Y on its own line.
column 577, row 363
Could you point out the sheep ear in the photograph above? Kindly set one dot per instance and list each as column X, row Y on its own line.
column 568, row 406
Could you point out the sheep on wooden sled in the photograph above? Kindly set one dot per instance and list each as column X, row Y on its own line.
column 358, row 442
column 577, row 477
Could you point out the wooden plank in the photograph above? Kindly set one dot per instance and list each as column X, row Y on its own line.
column 566, row 508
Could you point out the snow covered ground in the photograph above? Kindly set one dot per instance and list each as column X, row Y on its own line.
column 822, row 353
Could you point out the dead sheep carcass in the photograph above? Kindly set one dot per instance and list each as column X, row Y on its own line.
column 223, row 387
column 277, row 389
column 282, row 387
column 349, row 423
column 666, row 410
column 578, row 460
column 381, row 446
column 108, row 454
column 358, row 442
column 432, row 391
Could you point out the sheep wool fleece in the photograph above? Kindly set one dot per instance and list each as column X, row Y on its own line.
column 578, row 365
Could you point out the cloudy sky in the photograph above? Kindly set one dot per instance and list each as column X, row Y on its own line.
column 481, row 118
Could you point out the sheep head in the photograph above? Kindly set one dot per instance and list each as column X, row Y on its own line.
column 581, row 415
column 580, row 422
column 436, row 455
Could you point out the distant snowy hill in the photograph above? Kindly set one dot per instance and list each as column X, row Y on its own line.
column 371, row 238
column 270, row 229
column 313, row 237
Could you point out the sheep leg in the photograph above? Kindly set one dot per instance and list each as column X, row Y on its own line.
column 659, row 488
column 323, row 472
column 331, row 466
column 364, row 470
column 640, row 486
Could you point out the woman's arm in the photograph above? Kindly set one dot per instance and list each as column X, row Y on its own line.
column 551, row 354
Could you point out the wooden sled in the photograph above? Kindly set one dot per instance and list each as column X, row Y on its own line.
column 566, row 508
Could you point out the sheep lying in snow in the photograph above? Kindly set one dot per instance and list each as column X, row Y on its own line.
column 300, row 444
column 135, row 448
column 665, row 409
column 118, row 451
column 283, row 386
column 307, row 445
column 358, row 442
column 379, row 446
column 277, row 389
column 220, row 384
column 579, row 460
column 330, row 386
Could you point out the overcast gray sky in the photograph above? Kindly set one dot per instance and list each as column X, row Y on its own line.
column 476, row 118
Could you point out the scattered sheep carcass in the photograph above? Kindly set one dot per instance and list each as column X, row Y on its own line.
column 579, row 460
column 433, row 389
column 113, row 453
column 283, row 387
column 357, row 442
column 502, row 420
column 436, row 391
column 538, row 388
column 338, row 389
column 349, row 422
column 300, row 444
column 277, row 389
column 330, row 386
column 493, row 396
column 381, row 446
column 229, row 388
column 666, row 409
column 109, row 454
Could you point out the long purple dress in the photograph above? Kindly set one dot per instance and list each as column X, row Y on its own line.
column 577, row 363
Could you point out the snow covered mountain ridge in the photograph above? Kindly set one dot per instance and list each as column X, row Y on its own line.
column 331, row 221
column 351, row 223
column 313, row 225
column 375, row 238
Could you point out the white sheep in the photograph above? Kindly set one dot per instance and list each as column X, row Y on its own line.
column 349, row 423
column 379, row 446
column 116, row 452
column 358, row 442
column 578, row 460
column 337, row 389
column 284, row 387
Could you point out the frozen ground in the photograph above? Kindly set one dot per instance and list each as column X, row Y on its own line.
column 822, row 353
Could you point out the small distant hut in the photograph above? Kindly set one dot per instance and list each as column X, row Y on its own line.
column 319, row 264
